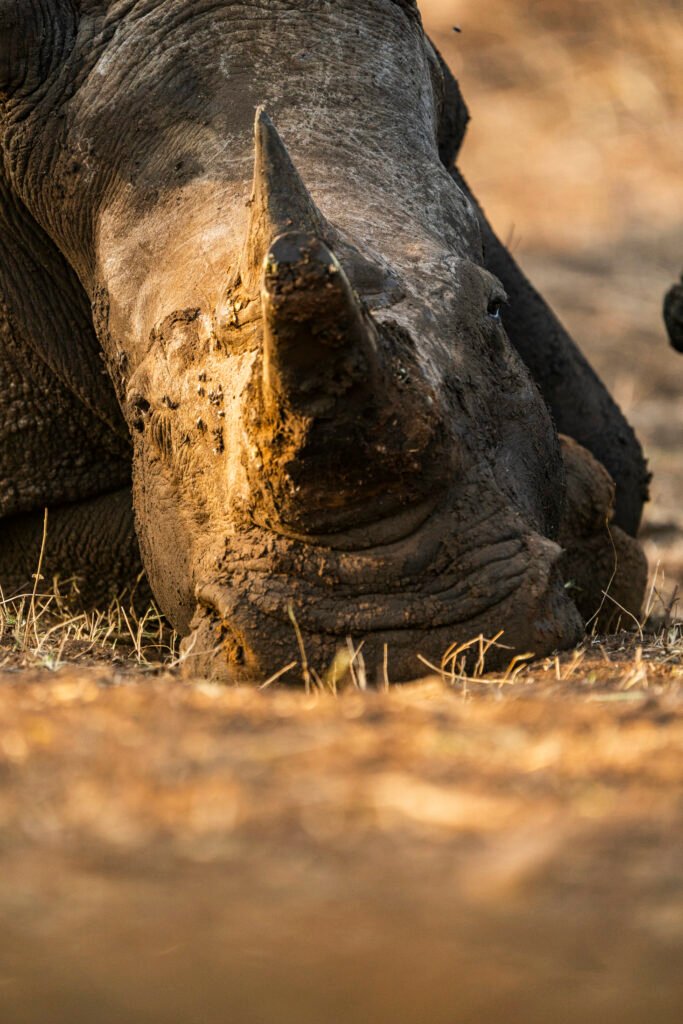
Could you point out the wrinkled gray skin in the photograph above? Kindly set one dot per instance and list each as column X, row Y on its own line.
column 293, row 329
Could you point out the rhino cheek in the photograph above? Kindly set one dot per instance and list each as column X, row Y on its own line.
column 164, row 533
column 191, row 488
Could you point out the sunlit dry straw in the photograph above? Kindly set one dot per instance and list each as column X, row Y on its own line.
column 278, row 675
column 305, row 670
column 31, row 618
column 357, row 665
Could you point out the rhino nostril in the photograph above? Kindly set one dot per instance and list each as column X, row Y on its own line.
column 139, row 408
column 210, row 596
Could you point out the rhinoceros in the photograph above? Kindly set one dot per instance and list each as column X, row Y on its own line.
column 673, row 314
column 241, row 270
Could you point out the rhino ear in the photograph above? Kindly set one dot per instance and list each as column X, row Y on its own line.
column 35, row 35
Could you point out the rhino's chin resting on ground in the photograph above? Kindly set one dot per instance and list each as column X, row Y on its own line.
column 334, row 437
column 456, row 576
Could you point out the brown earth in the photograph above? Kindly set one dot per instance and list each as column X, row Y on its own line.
column 502, row 849
column 188, row 852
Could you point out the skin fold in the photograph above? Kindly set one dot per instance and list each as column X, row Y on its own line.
column 238, row 262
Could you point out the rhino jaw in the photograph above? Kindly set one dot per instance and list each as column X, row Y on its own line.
column 400, row 602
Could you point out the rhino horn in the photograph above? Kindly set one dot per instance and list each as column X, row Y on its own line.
column 280, row 201
column 319, row 343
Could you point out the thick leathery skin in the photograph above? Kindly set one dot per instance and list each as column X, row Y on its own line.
column 91, row 543
column 581, row 405
column 604, row 568
column 62, row 436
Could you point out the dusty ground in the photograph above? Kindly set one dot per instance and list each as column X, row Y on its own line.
column 497, row 849
column 186, row 852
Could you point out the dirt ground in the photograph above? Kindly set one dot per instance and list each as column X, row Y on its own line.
column 454, row 851
column 187, row 852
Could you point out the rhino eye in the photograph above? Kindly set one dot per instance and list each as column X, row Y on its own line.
column 495, row 309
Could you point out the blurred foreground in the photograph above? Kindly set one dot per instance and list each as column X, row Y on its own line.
column 501, row 851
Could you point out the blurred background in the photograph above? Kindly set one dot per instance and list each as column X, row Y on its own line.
column 575, row 149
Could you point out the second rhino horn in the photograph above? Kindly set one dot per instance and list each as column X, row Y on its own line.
column 280, row 201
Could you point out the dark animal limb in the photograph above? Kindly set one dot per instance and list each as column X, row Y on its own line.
column 50, row 315
column 673, row 315
column 63, row 442
column 90, row 547
column 62, row 436
column 604, row 569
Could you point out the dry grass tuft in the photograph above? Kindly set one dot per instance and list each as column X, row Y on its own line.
column 40, row 630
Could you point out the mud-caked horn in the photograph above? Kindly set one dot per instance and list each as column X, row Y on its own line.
column 319, row 343
column 337, row 440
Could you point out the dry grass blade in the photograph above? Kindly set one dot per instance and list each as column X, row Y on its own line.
column 305, row 668
column 278, row 675
column 38, row 630
column 31, row 618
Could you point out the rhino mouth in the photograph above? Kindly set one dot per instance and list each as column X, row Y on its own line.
column 434, row 586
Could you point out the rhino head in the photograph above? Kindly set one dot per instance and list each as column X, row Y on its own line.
column 332, row 435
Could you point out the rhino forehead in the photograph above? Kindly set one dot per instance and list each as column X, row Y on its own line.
column 154, row 95
column 353, row 98
column 321, row 62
